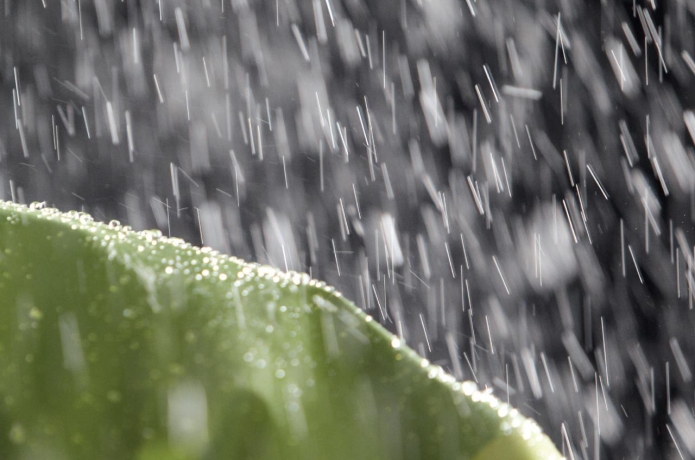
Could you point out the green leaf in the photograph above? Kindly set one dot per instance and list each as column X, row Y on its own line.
column 117, row 344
